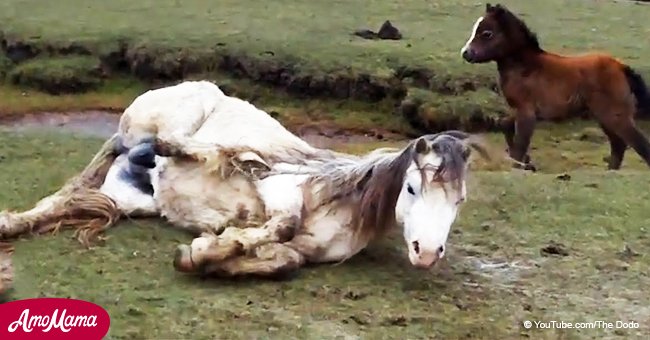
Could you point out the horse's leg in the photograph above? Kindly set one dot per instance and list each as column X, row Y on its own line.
column 6, row 269
column 524, row 128
column 267, row 260
column 507, row 125
column 76, row 201
column 234, row 241
column 617, row 148
column 635, row 138
column 212, row 155
column 618, row 117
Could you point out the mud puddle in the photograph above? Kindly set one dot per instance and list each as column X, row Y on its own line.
column 102, row 124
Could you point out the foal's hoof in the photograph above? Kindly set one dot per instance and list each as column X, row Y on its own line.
column 525, row 167
column 183, row 259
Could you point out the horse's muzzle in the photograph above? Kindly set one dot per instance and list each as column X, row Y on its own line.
column 425, row 258
column 469, row 55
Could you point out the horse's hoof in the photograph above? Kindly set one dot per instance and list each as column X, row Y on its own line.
column 525, row 167
column 143, row 155
column 183, row 259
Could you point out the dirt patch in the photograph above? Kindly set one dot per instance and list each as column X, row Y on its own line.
column 103, row 124
column 100, row 124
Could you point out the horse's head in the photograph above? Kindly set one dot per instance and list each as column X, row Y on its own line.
column 496, row 35
column 432, row 191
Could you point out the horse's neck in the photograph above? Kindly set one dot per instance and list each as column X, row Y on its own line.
column 518, row 65
column 525, row 59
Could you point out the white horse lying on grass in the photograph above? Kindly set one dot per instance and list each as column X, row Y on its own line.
column 259, row 199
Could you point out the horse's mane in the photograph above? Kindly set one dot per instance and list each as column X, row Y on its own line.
column 371, row 184
column 508, row 19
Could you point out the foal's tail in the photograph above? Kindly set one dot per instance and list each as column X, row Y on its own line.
column 78, row 204
column 640, row 91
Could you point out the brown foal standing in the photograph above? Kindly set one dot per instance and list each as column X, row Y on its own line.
column 542, row 85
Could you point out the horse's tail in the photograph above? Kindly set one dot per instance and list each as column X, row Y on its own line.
column 640, row 91
column 78, row 204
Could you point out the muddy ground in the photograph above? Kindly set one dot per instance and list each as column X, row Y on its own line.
column 103, row 124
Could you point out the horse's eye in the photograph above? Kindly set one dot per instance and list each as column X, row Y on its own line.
column 486, row 34
column 409, row 188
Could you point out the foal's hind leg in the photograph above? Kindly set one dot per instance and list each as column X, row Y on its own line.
column 617, row 148
column 267, row 260
column 632, row 136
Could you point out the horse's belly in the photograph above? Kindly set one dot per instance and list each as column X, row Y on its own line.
column 557, row 107
column 334, row 235
column 188, row 197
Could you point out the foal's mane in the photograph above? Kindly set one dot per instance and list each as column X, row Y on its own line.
column 513, row 23
column 372, row 184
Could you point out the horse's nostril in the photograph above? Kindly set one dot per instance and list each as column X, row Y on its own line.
column 416, row 247
column 467, row 55
column 441, row 250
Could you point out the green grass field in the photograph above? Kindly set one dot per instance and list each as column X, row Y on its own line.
column 311, row 38
column 494, row 278
column 319, row 32
column 496, row 274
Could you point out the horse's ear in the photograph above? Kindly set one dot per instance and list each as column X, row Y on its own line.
column 422, row 146
column 467, row 151
column 364, row 180
column 475, row 143
column 499, row 8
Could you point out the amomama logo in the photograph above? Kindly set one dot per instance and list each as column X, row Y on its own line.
column 53, row 318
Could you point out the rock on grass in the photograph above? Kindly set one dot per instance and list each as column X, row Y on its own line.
column 386, row 32
column 58, row 75
column 554, row 249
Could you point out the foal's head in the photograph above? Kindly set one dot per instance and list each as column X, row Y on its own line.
column 432, row 191
column 498, row 34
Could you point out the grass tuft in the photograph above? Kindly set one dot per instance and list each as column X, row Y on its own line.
column 59, row 75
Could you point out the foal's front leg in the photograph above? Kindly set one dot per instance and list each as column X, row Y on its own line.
column 524, row 127
column 507, row 125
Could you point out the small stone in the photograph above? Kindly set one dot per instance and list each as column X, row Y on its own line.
column 554, row 248
column 563, row 177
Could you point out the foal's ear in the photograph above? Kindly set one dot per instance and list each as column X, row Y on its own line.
column 498, row 9
column 422, row 146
